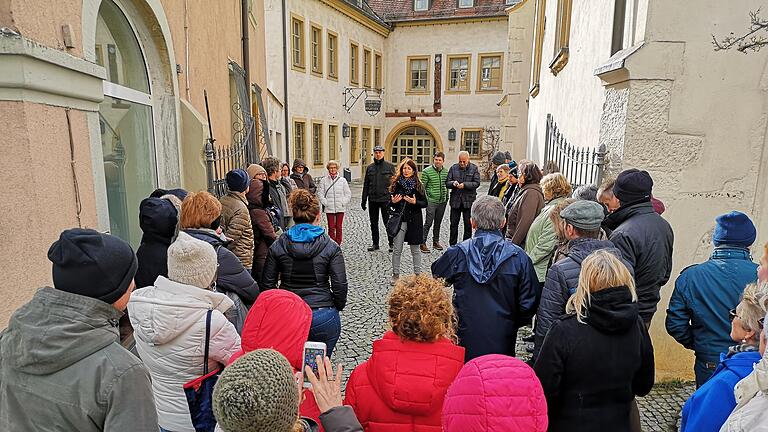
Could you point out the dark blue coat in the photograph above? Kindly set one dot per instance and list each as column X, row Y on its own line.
column 704, row 293
column 495, row 290
column 708, row 408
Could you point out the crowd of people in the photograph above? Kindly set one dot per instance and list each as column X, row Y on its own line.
column 235, row 286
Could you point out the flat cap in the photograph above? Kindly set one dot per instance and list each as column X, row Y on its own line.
column 583, row 214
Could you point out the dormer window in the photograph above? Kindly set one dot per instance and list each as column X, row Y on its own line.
column 466, row 3
column 420, row 5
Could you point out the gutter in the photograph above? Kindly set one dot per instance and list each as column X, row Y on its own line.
column 287, row 133
column 246, row 51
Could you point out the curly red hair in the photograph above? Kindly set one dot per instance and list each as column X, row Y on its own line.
column 421, row 309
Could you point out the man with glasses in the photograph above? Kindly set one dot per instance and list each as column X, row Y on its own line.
column 704, row 293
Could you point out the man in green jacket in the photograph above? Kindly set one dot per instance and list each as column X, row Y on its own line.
column 63, row 368
column 433, row 178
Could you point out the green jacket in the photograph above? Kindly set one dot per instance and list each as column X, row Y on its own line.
column 541, row 240
column 434, row 184
column 64, row 369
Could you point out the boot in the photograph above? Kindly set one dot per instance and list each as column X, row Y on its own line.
column 424, row 248
column 373, row 248
column 437, row 246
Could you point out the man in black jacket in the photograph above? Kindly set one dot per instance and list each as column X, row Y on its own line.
column 463, row 181
column 378, row 176
column 644, row 238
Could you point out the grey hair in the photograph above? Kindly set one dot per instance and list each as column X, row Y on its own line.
column 586, row 193
column 463, row 153
column 488, row 213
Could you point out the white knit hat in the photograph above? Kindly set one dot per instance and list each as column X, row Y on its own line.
column 191, row 261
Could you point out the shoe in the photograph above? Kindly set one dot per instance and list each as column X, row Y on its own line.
column 373, row 248
column 424, row 248
column 394, row 279
column 390, row 248
column 437, row 246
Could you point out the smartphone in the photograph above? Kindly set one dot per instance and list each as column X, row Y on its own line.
column 311, row 351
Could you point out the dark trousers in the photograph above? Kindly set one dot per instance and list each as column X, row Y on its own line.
column 463, row 213
column 374, row 208
column 703, row 369
column 435, row 212
column 326, row 327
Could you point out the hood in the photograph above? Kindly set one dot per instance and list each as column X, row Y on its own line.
column 613, row 220
column 279, row 320
column 305, row 233
column 158, row 219
column 57, row 329
column 486, row 251
column 162, row 312
column 612, row 310
column 208, row 235
column 258, row 193
column 581, row 248
column 412, row 377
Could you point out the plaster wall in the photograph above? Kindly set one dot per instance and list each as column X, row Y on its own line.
column 514, row 107
column 575, row 96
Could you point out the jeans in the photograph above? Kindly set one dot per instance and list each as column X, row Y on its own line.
column 463, row 213
column 335, row 220
column 397, row 252
column 435, row 212
column 326, row 327
column 374, row 208
column 703, row 369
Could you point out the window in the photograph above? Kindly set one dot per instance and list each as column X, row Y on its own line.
column 354, row 78
column 376, row 137
column 297, row 43
column 366, row 145
column 458, row 74
column 317, row 144
column 377, row 72
column 366, row 68
column 333, row 55
column 538, row 45
column 420, row 5
column 354, row 149
column 562, row 36
column 466, row 3
column 299, row 137
column 332, row 143
column 316, row 50
column 418, row 74
column 490, row 72
column 471, row 142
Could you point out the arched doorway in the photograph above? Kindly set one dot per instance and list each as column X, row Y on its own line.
column 415, row 142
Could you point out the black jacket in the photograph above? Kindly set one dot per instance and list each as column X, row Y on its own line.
column 562, row 280
column 591, row 371
column 305, row 268
column 412, row 215
column 304, row 182
column 232, row 276
column 470, row 176
column 158, row 218
column 645, row 239
column 378, row 177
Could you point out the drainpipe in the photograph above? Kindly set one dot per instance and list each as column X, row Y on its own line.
column 287, row 133
column 246, row 51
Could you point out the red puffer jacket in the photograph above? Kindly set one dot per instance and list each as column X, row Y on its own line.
column 402, row 386
column 280, row 320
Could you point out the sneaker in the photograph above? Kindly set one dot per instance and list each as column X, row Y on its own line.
column 437, row 246
column 394, row 279
column 373, row 248
column 424, row 248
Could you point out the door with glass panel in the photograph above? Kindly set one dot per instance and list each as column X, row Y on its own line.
column 415, row 143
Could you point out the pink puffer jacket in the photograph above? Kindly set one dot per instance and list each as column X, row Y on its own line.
column 495, row 393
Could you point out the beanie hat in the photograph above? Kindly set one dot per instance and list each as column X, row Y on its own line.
column 237, row 180
column 191, row 261
column 633, row 185
column 507, row 155
column 254, row 169
column 734, row 228
column 92, row 264
column 257, row 393
column 584, row 214
column 498, row 158
column 513, row 168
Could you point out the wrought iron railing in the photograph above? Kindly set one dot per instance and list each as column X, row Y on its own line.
column 580, row 165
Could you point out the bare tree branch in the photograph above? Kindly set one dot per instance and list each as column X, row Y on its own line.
column 751, row 41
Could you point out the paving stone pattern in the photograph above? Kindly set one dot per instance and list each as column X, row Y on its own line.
column 364, row 318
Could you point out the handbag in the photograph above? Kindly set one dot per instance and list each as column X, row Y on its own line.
column 199, row 391
column 394, row 221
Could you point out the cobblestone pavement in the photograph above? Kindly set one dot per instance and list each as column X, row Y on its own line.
column 364, row 319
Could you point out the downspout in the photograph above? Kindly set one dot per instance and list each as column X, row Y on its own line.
column 287, row 133
column 246, row 51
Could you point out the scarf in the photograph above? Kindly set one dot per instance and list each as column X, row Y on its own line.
column 740, row 349
column 408, row 184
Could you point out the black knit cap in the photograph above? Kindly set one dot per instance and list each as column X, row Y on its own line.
column 633, row 185
column 92, row 264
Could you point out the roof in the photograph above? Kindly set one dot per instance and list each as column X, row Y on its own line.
column 362, row 6
column 394, row 11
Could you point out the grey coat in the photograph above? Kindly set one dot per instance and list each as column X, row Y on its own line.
column 64, row 369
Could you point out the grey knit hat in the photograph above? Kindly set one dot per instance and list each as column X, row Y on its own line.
column 257, row 393
column 191, row 261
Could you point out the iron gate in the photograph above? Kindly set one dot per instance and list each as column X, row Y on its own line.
column 580, row 165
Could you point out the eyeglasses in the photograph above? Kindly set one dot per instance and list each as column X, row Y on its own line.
column 732, row 315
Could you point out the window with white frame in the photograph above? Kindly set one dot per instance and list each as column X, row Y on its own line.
column 466, row 3
column 418, row 69
column 420, row 5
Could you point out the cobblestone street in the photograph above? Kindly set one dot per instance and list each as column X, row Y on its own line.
column 364, row 318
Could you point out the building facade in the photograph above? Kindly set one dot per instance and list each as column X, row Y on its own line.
column 644, row 80
column 103, row 102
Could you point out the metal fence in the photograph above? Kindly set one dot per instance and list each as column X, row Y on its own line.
column 580, row 165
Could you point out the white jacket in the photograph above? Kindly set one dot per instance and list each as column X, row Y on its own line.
column 169, row 325
column 335, row 198
column 751, row 394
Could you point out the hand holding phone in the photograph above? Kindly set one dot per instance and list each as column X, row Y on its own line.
column 326, row 387
column 312, row 350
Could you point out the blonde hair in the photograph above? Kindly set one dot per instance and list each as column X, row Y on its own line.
column 599, row 271
column 751, row 307
column 331, row 162
column 555, row 185
column 557, row 222
column 421, row 310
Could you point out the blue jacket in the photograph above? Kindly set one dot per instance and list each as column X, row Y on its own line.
column 708, row 408
column 495, row 292
column 704, row 293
